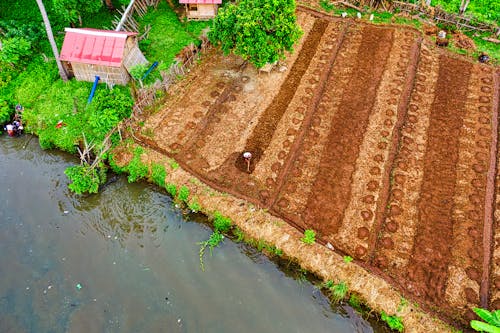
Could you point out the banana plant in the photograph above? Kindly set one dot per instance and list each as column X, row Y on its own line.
column 491, row 322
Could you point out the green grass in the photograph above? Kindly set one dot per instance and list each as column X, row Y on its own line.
column 168, row 36
column 309, row 237
column 485, row 10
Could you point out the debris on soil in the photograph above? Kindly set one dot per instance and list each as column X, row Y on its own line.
column 463, row 41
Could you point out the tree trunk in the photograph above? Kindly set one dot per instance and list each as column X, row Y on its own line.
column 48, row 28
column 463, row 6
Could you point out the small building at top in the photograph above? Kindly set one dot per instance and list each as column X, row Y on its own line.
column 87, row 53
column 201, row 9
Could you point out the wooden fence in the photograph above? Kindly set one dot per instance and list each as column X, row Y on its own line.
column 125, row 21
column 147, row 96
column 466, row 22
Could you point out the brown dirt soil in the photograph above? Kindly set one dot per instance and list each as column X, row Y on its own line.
column 381, row 143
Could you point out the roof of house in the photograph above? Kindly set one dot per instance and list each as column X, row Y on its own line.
column 202, row 2
column 93, row 46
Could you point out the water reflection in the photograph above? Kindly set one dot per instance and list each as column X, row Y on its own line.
column 126, row 261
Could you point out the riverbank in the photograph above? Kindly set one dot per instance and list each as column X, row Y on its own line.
column 259, row 224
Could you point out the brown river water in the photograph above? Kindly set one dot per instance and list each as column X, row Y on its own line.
column 126, row 260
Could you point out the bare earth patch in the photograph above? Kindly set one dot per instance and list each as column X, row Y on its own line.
column 381, row 143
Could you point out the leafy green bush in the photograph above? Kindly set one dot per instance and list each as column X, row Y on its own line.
column 309, row 237
column 136, row 168
column 221, row 223
column 393, row 321
column 107, row 109
column 15, row 50
column 158, row 174
column 183, row 194
column 259, row 31
column 171, row 189
column 84, row 179
column 138, row 71
column 5, row 113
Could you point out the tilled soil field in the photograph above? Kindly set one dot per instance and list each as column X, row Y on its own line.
column 372, row 137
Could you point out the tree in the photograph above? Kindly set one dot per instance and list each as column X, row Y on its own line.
column 72, row 10
column 259, row 31
column 50, row 35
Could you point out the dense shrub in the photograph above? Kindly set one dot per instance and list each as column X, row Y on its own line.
column 85, row 179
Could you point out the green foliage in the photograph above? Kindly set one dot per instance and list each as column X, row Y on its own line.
column 491, row 320
column 85, row 179
column 72, row 10
column 14, row 50
column 483, row 10
column 326, row 5
column 173, row 164
column 215, row 239
column 168, row 36
column 107, row 109
column 309, row 237
column 339, row 291
column 328, row 284
column 138, row 71
column 171, row 189
column 136, row 168
column 259, row 31
column 194, row 206
column 355, row 302
column 221, row 223
column 5, row 112
column 240, row 236
column 393, row 321
column 158, row 174
column 183, row 194
column 348, row 259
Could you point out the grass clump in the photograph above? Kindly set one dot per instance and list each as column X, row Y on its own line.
column 136, row 168
column 183, row 194
column 339, row 291
column 309, row 237
column 221, row 223
column 158, row 174
column 213, row 241
column 171, row 189
column 173, row 164
column 194, row 206
column 347, row 259
column 394, row 322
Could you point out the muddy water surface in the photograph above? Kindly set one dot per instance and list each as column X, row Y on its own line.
column 126, row 260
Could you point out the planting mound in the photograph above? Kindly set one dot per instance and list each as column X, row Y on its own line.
column 372, row 137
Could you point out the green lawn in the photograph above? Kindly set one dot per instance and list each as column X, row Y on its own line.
column 168, row 36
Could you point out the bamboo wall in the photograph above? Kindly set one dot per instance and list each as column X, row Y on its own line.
column 110, row 75
column 204, row 12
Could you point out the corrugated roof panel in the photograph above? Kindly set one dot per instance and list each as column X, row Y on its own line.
column 92, row 46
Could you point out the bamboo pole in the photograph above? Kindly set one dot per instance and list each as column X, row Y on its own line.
column 125, row 14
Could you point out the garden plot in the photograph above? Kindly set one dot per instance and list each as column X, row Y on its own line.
column 380, row 143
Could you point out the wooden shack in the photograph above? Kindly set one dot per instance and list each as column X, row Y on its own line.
column 87, row 53
column 201, row 9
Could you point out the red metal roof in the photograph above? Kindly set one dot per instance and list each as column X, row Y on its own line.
column 207, row 2
column 93, row 46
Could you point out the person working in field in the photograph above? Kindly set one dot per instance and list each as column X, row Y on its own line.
column 247, row 156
